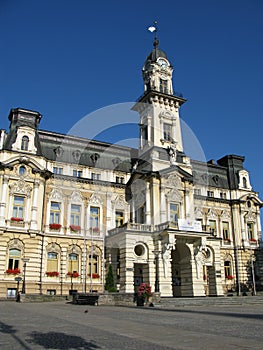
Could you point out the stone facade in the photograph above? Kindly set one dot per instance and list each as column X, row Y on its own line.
column 70, row 206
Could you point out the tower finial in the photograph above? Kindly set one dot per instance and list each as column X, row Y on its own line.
column 153, row 29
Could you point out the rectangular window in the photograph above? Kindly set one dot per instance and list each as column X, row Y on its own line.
column 75, row 215
column 119, row 179
column 14, row 258
column 223, row 195
column 119, row 218
column 174, row 212
column 57, row 170
column 167, row 132
column 250, row 230
column 54, row 213
column 94, row 218
column 52, row 262
column 73, row 262
column 95, row 176
column 93, row 264
column 212, row 226
column 227, row 268
column 19, row 207
column 197, row 191
column 225, row 230
column 210, row 194
column 77, row 173
column 163, row 86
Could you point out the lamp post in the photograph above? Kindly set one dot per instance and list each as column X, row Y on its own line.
column 157, row 285
column 25, row 260
column 252, row 271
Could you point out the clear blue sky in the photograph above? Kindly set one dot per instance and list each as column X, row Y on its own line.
column 66, row 59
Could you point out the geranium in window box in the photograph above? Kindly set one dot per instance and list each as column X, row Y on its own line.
column 17, row 219
column 54, row 226
column 52, row 273
column 95, row 229
column 74, row 228
column 94, row 275
column 253, row 240
column 73, row 274
column 227, row 240
column 230, row 277
column 13, row 271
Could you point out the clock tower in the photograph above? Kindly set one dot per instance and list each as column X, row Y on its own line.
column 160, row 129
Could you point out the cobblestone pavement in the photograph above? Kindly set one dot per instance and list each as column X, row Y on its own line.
column 60, row 325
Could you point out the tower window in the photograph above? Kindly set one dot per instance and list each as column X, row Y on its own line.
column 163, row 86
column 167, row 132
column 119, row 218
column 24, row 143
column 174, row 212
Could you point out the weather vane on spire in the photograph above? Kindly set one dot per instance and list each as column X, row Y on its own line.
column 153, row 29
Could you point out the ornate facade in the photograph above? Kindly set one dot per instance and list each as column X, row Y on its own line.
column 70, row 206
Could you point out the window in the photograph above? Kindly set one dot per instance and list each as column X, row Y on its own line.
column 210, row 194
column 93, row 264
column 95, row 176
column 197, row 191
column 144, row 132
column 212, row 226
column 75, row 215
column 223, row 195
column 174, row 212
column 57, row 170
column 52, row 261
column 227, row 268
column 226, row 231
column 14, row 259
column 94, row 218
column 250, row 230
column 19, row 207
column 54, row 213
column 22, row 170
column 77, row 173
column 167, row 132
column 73, row 262
column 119, row 218
column 163, row 86
column 24, row 143
column 119, row 180
column 244, row 182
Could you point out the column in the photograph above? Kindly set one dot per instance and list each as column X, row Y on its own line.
column 3, row 201
column 33, row 224
column 163, row 206
column 148, row 205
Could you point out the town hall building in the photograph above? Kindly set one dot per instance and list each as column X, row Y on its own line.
column 71, row 206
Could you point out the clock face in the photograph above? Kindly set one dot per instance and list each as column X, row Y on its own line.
column 162, row 63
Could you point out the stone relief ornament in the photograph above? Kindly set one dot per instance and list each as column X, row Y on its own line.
column 56, row 194
column 95, row 199
column 20, row 187
column 76, row 197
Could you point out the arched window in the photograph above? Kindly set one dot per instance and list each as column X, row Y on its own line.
column 24, row 143
column 244, row 182
column 52, row 262
column 14, row 259
column 73, row 263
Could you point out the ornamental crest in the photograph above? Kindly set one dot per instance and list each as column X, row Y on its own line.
column 20, row 187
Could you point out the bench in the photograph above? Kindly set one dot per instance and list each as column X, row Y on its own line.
column 85, row 298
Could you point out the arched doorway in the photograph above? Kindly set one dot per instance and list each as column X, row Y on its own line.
column 182, row 283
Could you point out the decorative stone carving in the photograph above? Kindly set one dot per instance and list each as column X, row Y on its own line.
column 56, row 194
column 76, row 197
column 174, row 196
column 95, row 199
column 20, row 187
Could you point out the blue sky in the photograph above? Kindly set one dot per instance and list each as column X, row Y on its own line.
column 67, row 59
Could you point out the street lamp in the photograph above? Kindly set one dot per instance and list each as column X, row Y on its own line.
column 157, row 285
column 25, row 260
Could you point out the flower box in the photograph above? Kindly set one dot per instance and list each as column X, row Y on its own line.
column 73, row 274
column 54, row 226
column 52, row 274
column 13, row 271
column 74, row 228
column 229, row 277
column 227, row 240
column 17, row 219
column 95, row 229
column 252, row 240
column 94, row 275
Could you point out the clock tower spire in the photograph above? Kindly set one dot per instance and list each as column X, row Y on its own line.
column 160, row 129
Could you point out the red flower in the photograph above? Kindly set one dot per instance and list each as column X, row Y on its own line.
column 73, row 274
column 145, row 290
column 74, row 228
column 13, row 271
column 52, row 274
column 16, row 219
column 54, row 226
column 229, row 277
column 94, row 275
column 252, row 240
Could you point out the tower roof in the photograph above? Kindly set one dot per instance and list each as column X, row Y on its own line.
column 156, row 52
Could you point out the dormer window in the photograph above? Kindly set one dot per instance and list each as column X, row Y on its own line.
column 24, row 143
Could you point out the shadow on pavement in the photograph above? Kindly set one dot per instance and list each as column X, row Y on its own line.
column 5, row 328
column 55, row 340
